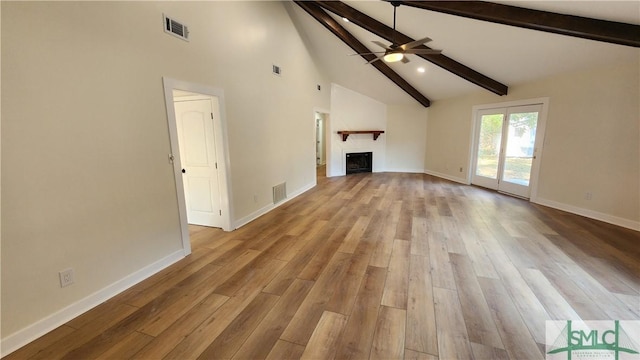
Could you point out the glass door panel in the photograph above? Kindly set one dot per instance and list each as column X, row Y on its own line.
column 489, row 132
column 489, row 145
column 519, row 150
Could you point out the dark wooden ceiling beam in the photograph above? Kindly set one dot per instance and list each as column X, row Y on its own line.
column 587, row 28
column 374, row 26
column 328, row 22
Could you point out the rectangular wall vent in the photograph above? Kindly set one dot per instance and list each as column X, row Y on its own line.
column 279, row 192
column 176, row 28
column 277, row 70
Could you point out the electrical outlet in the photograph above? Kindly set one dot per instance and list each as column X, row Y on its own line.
column 588, row 196
column 255, row 199
column 460, row 168
column 66, row 277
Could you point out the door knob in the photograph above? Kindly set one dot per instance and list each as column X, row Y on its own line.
column 184, row 171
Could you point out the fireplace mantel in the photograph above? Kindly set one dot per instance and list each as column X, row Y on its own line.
column 345, row 133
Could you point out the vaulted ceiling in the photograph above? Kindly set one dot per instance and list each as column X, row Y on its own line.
column 485, row 46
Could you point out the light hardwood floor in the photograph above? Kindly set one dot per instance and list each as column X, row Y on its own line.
column 370, row 266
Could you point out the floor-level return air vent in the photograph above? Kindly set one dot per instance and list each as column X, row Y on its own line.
column 176, row 28
column 279, row 192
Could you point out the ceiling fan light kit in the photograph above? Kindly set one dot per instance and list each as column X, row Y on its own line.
column 393, row 57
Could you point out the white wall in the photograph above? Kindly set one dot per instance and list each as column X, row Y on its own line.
column 353, row 111
column 406, row 135
column 400, row 149
column 592, row 140
column 85, row 175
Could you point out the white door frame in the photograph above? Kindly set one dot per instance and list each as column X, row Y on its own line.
column 539, row 143
column 222, row 151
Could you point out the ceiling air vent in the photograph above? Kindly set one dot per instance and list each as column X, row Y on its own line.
column 176, row 28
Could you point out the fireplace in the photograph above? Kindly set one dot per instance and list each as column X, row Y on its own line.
column 359, row 162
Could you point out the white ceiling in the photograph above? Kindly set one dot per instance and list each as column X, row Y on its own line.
column 507, row 54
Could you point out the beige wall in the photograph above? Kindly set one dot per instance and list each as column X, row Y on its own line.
column 448, row 141
column 591, row 144
column 85, row 176
column 406, row 129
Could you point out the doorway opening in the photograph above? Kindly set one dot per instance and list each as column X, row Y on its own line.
column 199, row 154
column 507, row 148
column 321, row 124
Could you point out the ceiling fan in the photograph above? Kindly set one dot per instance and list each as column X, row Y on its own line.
column 396, row 52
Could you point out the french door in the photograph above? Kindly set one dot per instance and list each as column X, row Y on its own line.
column 506, row 148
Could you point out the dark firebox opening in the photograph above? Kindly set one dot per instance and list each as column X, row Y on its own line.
column 359, row 162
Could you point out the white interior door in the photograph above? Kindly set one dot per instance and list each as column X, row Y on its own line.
column 506, row 148
column 199, row 162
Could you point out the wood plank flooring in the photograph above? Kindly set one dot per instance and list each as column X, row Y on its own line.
column 369, row 266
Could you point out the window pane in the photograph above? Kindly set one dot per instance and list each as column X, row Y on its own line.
column 519, row 152
column 489, row 145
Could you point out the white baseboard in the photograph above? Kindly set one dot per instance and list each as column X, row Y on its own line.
column 448, row 177
column 626, row 223
column 22, row 337
column 410, row 171
column 256, row 214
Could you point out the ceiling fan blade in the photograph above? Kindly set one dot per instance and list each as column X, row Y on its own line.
column 374, row 60
column 369, row 53
column 423, row 51
column 412, row 44
column 381, row 45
